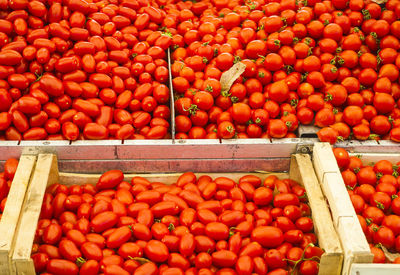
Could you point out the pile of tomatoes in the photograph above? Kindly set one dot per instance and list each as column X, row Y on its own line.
column 332, row 64
column 374, row 192
column 194, row 226
column 96, row 69
column 6, row 178
column 81, row 69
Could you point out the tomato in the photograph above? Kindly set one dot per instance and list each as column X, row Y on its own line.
column 277, row 128
column 156, row 251
column 10, row 168
column 52, row 85
column 110, row 179
column 226, row 130
column 146, row 269
column 129, row 249
column 29, row 105
column 241, row 112
column 224, row 258
column 267, row 236
column 115, row 269
column 69, row 250
column 279, row 91
column 379, row 256
column 103, row 221
column 309, row 267
column 217, row 231
column 40, row 261
column 119, row 237
column 52, row 234
column 262, row 196
column 64, row 267
column 90, row 267
column 10, row 57
column 342, row 157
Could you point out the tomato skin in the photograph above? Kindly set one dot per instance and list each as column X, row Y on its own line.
column 244, row 265
column 40, row 261
column 103, row 221
column 309, row 267
column 157, row 132
column 217, row 231
column 156, row 251
column 130, row 249
column 10, row 167
column 91, row 251
column 29, row 105
column 342, row 157
column 267, row 236
column 10, row 57
column 164, row 208
column 114, row 270
column 52, row 234
column 224, row 258
column 69, row 250
column 110, row 179
column 283, row 199
column 146, row 269
column 118, row 237
column 90, row 267
column 20, row 121
column 50, row 250
column 62, row 267
column 187, row 245
column 5, row 120
column 52, row 85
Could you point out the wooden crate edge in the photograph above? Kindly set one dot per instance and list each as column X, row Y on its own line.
column 45, row 173
column 372, row 269
column 12, row 210
column 354, row 243
column 332, row 259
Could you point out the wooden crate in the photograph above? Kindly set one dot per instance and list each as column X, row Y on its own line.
column 12, row 210
column 47, row 173
column 357, row 255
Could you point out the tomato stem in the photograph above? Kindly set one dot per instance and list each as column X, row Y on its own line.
column 140, row 260
column 80, row 261
column 171, row 227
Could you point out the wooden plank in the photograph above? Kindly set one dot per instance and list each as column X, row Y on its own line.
column 336, row 193
column 370, row 146
column 301, row 170
column 9, row 219
column 324, row 160
column 354, row 243
column 374, row 269
column 45, row 173
column 97, row 166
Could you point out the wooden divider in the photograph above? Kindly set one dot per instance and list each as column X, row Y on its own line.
column 301, row 170
column 9, row 219
column 354, row 243
column 46, row 173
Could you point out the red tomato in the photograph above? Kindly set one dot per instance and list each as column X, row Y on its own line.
column 267, row 236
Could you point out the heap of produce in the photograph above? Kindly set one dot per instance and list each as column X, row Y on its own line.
column 198, row 225
column 82, row 69
column 331, row 64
